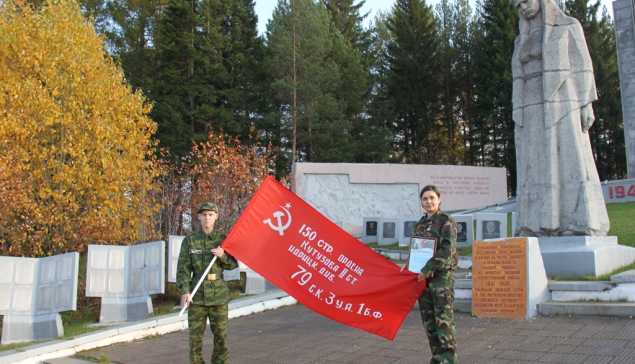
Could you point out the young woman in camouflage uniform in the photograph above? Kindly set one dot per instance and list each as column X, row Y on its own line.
column 437, row 298
column 212, row 298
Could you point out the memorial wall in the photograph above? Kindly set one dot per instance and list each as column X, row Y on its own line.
column 346, row 192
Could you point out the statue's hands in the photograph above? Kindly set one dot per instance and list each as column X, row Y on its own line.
column 587, row 116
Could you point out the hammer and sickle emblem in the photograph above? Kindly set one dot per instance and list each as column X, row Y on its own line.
column 278, row 215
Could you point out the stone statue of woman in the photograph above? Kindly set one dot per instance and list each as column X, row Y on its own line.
column 559, row 191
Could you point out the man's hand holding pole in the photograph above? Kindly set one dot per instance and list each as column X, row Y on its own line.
column 186, row 299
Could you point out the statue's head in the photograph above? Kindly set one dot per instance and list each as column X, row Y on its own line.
column 527, row 8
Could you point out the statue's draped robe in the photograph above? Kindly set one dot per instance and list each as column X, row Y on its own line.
column 559, row 191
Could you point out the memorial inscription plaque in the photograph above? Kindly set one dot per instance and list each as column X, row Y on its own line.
column 499, row 286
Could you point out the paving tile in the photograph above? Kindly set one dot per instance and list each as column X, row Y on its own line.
column 565, row 358
column 483, row 360
column 294, row 335
column 565, row 349
column 610, row 351
column 610, row 343
column 554, row 340
column 575, row 341
column 531, row 356
column 628, row 352
column 510, row 354
column 595, row 359
column 622, row 360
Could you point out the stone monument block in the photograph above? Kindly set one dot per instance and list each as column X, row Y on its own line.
column 125, row 277
column 370, row 229
column 174, row 247
column 625, row 37
column 254, row 282
column 33, row 291
column 491, row 226
column 408, row 223
column 231, row 275
column 348, row 192
column 389, row 231
column 464, row 230
column 583, row 255
column 509, row 278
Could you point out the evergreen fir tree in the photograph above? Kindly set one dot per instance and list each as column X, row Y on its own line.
column 310, row 61
column 491, row 142
column 208, row 57
column 414, row 84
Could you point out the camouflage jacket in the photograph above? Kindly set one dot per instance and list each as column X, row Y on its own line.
column 442, row 227
column 194, row 257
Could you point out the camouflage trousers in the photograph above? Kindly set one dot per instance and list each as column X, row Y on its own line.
column 197, row 320
column 435, row 304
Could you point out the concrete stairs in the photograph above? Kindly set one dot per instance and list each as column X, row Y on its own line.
column 592, row 298
column 614, row 298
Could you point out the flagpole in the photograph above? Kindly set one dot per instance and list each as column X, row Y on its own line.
column 204, row 275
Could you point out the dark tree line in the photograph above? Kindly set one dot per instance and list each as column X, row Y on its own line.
column 419, row 85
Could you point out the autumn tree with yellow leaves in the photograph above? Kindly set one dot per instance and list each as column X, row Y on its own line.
column 75, row 141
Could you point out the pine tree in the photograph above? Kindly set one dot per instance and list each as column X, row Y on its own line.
column 379, row 142
column 208, row 57
column 174, row 89
column 456, row 22
column 348, row 21
column 414, row 84
column 306, row 58
column 368, row 140
column 131, row 36
column 491, row 142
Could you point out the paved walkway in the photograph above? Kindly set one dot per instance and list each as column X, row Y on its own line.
column 295, row 334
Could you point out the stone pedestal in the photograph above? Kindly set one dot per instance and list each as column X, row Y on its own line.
column 537, row 282
column 583, row 255
column 120, row 309
column 16, row 329
column 509, row 278
column 254, row 283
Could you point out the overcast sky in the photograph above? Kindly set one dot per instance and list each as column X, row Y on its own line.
column 264, row 9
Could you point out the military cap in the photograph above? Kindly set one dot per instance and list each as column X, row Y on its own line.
column 208, row 206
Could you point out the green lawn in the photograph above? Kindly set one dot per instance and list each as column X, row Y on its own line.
column 622, row 216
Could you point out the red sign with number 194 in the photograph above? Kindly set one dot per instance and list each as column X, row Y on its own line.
column 620, row 191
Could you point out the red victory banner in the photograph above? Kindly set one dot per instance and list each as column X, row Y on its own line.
column 326, row 269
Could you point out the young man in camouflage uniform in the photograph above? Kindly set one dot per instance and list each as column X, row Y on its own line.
column 212, row 297
column 437, row 298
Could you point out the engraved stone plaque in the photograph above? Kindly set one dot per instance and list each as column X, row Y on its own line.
column 499, row 286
